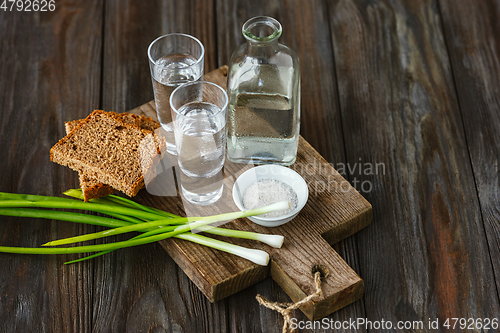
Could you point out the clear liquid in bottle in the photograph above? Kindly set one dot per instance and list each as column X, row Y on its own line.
column 262, row 129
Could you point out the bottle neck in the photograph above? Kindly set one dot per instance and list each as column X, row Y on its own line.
column 262, row 34
column 264, row 50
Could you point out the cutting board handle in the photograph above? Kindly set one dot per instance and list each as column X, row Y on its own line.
column 293, row 268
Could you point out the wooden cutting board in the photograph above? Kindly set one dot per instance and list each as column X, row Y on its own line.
column 334, row 211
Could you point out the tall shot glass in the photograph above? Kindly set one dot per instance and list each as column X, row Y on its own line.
column 174, row 59
column 199, row 112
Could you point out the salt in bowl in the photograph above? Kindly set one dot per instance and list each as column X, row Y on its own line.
column 276, row 172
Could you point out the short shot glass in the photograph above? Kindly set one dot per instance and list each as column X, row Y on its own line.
column 199, row 114
column 174, row 59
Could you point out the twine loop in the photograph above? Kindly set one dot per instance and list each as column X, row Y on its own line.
column 285, row 309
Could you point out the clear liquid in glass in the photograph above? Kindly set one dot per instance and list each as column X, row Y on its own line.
column 201, row 139
column 170, row 72
column 200, row 135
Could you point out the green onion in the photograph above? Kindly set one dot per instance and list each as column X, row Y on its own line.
column 126, row 216
column 112, row 232
column 116, row 200
column 64, row 216
column 98, row 254
column 198, row 222
column 272, row 240
column 74, row 204
column 256, row 256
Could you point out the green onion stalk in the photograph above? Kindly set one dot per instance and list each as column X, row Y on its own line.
column 127, row 216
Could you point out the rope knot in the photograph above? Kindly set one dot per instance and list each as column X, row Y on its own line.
column 285, row 309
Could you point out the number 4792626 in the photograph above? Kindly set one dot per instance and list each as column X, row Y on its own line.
column 28, row 5
column 471, row 323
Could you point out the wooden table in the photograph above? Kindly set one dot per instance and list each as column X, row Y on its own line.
column 410, row 86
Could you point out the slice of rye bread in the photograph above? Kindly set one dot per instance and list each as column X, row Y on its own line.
column 105, row 148
column 92, row 188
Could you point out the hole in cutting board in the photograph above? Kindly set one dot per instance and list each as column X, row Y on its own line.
column 322, row 269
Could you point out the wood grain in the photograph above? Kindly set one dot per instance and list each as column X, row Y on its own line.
column 471, row 30
column 41, row 67
column 398, row 102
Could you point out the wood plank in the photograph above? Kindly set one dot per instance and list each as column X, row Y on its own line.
column 305, row 29
column 141, row 289
column 45, row 58
column 422, row 256
column 471, row 30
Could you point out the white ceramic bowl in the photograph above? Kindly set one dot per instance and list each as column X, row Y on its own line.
column 276, row 172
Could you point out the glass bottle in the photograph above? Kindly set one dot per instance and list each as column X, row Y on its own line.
column 264, row 97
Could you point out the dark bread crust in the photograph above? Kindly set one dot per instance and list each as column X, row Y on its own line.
column 105, row 148
column 93, row 189
column 143, row 122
